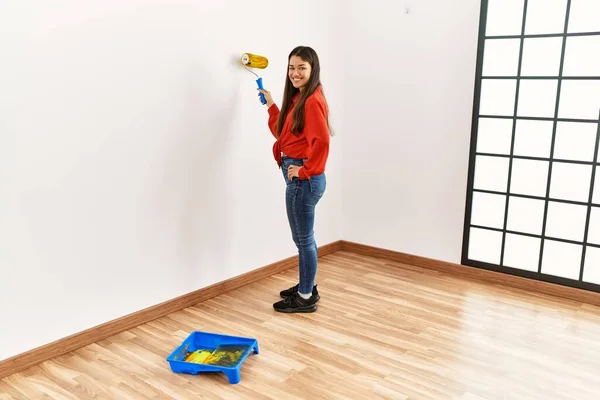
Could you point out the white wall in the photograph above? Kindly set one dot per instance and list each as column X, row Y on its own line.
column 135, row 162
column 408, row 124
column 135, row 158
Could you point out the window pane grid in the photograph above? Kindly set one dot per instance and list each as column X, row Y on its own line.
column 525, row 118
column 515, row 113
column 591, row 196
column 531, row 77
column 519, row 233
column 553, row 141
column 525, row 196
column 537, row 158
column 542, row 35
column 555, row 147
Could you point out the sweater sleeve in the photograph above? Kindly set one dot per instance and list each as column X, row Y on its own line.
column 317, row 135
column 273, row 115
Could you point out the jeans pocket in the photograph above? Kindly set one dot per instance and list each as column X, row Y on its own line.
column 317, row 184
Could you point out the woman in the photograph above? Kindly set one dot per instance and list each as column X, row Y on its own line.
column 302, row 131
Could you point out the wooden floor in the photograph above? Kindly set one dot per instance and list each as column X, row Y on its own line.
column 383, row 330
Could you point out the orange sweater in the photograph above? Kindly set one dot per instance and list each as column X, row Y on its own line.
column 312, row 144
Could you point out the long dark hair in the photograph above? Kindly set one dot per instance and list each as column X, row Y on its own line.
column 308, row 55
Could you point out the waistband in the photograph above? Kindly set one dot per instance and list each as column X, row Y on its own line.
column 285, row 156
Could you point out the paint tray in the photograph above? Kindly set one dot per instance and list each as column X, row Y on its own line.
column 212, row 352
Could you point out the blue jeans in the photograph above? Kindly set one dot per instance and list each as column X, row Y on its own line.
column 301, row 198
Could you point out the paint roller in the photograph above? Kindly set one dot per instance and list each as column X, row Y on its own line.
column 256, row 61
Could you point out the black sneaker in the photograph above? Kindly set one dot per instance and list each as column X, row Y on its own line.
column 294, row 289
column 296, row 304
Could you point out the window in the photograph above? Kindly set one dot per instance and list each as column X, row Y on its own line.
column 533, row 200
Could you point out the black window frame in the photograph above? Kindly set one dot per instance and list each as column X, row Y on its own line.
column 540, row 276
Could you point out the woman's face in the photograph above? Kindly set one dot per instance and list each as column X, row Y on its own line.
column 299, row 72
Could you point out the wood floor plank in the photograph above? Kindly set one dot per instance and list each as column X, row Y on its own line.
column 383, row 330
column 7, row 391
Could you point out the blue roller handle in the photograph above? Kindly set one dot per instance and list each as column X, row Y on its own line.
column 260, row 86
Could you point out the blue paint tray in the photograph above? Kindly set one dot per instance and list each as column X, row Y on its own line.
column 212, row 352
